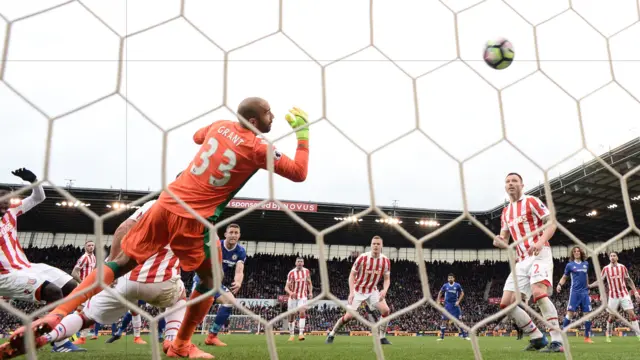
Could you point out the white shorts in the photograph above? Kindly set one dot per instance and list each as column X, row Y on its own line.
column 372, row 298
column 292, row 304
column 22, row 284
column 615, row 303
column 105, row 308
column 532, row 270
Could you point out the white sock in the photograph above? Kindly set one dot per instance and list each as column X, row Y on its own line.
column 337, row 326
column 69, row 325
column 301, row 325
column 383, row 328
column 137, row 324
column 524, row 322
column 292, row 327
column 609, row 324
column 634, row 327
column 174, row 320
column 84, row 333
column 550, row 314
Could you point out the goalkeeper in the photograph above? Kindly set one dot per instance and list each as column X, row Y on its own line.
column 230, row 154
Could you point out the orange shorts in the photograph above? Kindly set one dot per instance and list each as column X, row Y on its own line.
column 159, row 227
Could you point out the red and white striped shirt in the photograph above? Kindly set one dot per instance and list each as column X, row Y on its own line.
column 369, row 271
column 299, row 282
column 160, row 267
column 12, row 256
column 524, row 218
column 86, row 263
column 616, row 278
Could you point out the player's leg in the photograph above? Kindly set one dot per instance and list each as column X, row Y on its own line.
column 137, row 246
column 612, row 305
column 383, row 308
column 523, row 321
column 303, row 320
column 627, row 306
column 136, row 320
column 104, row 308
column 122, row 329
column 292, row 304
column 541, row 282
column 194, row 315
column 358, row 298
column 226, row 299
column 444, row 323
column 173, row 319
column 457, row 313
column 189, row 241
column 585, row 306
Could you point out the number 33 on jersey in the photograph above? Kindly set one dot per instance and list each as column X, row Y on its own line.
column 230, row 154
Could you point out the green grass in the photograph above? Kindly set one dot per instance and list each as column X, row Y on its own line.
column 248, row 347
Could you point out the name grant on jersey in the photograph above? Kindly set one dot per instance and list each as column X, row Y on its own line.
column 229, row 134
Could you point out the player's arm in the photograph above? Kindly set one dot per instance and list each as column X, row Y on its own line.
column 594, row 284
column 564, row 278
column 386, row 282
column 543, row 214
column 37, row 193
column 121, row 231
column 75, row 273
column 460, row 297
column 439, row 296
column 562, row 281
column 296, row 169
column 309, row 288
column 289, row 286
column 201, row 134
column 502, row 241
column 631, row 285
column 238, row 277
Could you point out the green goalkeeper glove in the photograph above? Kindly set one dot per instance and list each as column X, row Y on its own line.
column 297, row 118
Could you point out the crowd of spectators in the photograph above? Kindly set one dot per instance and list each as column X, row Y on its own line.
column 265, row 277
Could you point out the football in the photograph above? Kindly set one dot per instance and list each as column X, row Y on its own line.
column 499, row 53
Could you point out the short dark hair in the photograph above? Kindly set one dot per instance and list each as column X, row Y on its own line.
column 451, row 274
column 299, row 258
column 613, row 252
column 516, row 174
column 233, row 225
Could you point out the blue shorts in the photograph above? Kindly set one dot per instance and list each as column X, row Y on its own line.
column 453, row 310
column 582, row 301
column 216, row 295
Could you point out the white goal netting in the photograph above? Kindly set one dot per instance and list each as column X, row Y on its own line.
column 411, row 71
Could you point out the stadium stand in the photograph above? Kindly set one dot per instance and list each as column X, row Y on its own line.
column 55, row 231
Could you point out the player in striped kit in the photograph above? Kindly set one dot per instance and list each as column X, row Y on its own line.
column 617, row 277
column 523, row 218
column 19, row 278
column 156, row 281
column 365, row 274
column 300, row 289
column 84, row 266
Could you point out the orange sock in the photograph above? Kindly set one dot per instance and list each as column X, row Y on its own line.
column 194, row 316
column 66, row 308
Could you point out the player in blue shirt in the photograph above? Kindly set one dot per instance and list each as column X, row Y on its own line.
column 577, row 269
column 233, row 257
column 453, row 294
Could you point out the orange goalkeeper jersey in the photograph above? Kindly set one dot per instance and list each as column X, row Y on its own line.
column 230, row 154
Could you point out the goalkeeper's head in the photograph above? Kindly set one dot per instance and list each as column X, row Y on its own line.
column 257, row 112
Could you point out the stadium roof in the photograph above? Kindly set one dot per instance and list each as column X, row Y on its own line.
column 576, row 193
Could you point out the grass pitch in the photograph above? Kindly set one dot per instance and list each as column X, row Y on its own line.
column 249, row 347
